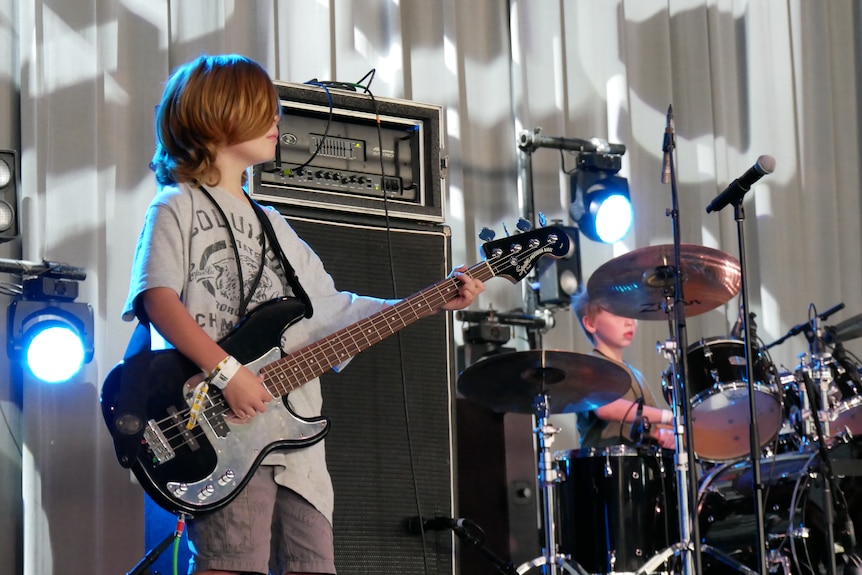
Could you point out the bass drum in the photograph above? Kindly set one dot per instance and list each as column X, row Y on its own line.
column 719, row 400
column 793, row 504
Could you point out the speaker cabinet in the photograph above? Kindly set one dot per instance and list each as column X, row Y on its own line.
column 390, row 446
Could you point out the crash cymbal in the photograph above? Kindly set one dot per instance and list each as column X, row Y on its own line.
column 509, row 382
column 636, row 284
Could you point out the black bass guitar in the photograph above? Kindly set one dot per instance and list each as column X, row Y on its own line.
column 205, row 467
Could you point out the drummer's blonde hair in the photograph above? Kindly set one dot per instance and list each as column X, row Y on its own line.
column 584, row 307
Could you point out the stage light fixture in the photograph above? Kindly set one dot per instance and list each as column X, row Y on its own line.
column 8, row 195
column 600, row 202
column 49, row 332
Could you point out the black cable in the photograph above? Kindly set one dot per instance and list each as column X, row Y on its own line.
column 325, row 86
column 394, row 282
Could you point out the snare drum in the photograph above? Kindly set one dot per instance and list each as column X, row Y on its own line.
column 719, row 400
column 617, row 507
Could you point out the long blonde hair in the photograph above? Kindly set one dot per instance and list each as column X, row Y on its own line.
column 208, row 102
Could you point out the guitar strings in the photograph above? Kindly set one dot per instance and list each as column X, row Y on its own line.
column 217, row 407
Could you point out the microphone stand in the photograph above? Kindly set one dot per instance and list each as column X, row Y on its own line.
column 696, row 560
column 754, row 434
column 504, row 567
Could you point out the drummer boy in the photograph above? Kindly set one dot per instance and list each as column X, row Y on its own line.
column 611, row 424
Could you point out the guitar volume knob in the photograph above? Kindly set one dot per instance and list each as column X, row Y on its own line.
column 178, row 489
column 206, row 492
column 227, row 477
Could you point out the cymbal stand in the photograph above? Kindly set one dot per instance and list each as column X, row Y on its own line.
column 686, row 474
column 817, row 377
column 552, row 562
column 819, row 366
column 670, row 350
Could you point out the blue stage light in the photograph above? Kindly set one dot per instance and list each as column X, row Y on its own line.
column 601, row 205
column 48, row 332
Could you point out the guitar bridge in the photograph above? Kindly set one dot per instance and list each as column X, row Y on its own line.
column 158, row 443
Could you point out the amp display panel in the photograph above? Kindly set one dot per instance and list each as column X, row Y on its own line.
column 342, row 150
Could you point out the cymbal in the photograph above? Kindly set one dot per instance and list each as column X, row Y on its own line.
column 636, row 284
column 509, row 382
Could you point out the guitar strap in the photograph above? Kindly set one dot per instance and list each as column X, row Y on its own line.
column 289, row 272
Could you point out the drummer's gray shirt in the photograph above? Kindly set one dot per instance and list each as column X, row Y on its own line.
column 596, row 432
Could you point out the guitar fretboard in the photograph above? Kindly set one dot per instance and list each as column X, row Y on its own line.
column 303, row 365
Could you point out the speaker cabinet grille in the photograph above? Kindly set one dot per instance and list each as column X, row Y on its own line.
column 381, row 455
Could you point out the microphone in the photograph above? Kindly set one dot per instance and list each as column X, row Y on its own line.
column 733, row 193
column 637, row 431
column 667, row 147
column 419, row 524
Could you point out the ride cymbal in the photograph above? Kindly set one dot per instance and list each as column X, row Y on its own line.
column 638, row 284
column 510, row 382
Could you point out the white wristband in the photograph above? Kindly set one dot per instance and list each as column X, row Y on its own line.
column 666, row 417
column 224, row 371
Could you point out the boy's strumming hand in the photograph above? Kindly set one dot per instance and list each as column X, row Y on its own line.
column 246, row 395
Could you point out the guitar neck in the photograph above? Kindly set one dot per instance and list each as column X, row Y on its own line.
column 307, row 363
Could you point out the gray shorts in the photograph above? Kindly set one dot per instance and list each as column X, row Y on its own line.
column 267, row 528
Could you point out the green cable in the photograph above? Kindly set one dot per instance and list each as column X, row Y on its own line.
column 177, row 552
column 178, row 534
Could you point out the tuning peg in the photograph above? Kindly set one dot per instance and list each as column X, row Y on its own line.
column 524, row 225
column 506, row 229
column 543, row 221
column 487, row 234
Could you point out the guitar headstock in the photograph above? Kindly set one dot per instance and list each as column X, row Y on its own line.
column 515, row 256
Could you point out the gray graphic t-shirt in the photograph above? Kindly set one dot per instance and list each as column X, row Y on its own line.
column 185, row 245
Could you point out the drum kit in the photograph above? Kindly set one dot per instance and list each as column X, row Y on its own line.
column 632, row 509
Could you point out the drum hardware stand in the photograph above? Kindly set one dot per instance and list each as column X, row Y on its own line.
column 812, row 362
column 821, row 430
column 686, row 474
column 551, row 561
column 815, row 399
column 670, row 351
